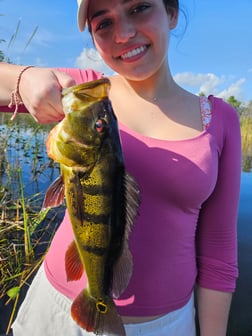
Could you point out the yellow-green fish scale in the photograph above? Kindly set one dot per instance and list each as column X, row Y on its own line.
column 92, row 237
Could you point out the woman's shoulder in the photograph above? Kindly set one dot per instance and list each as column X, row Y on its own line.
column 225, row 119
column 220, row 104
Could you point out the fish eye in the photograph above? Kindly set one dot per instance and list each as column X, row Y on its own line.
column 100, row 125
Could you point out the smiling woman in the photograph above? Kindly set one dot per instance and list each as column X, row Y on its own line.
column 123, row 32
column 185, row 234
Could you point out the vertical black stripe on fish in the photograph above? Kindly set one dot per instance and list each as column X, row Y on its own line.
column 96, row 250
column 96, row 219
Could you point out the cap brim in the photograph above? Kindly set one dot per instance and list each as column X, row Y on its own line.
column 82, row 15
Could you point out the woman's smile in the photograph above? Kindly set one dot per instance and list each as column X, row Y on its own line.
column 133, row 54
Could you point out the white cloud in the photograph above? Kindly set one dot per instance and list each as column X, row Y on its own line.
column 209, row 83
column 234, row 89
column 90, row 58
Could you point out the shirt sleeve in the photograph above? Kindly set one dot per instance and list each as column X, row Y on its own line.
column 216, row 240
column 79, row 75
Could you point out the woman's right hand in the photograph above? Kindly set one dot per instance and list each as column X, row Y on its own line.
column 40, row 90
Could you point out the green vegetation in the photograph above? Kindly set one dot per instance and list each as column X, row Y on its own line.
column 246, row 132
column 4, row 56
column 25, row 230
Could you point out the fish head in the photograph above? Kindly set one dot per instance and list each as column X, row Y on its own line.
column 89, row 127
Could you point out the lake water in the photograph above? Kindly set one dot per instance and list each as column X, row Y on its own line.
column 38, row 173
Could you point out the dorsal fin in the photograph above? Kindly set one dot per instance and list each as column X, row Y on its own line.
column 132, row 202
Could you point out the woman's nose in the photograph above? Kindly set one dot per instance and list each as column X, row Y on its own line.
column 124, row 31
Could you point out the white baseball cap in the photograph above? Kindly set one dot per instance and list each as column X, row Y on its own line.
column 82, row 13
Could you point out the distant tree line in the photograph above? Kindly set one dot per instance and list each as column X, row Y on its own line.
column 241, row 108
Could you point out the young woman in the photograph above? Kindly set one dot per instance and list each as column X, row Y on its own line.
column 183, row 150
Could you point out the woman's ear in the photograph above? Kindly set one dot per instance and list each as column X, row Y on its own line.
column 173, row 17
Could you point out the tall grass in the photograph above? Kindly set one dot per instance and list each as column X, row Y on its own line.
column 246, row 132
column 25, row 230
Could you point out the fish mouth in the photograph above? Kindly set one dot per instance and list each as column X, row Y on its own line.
column 132, row 53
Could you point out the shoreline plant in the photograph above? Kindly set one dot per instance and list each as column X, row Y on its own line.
column 25, row 230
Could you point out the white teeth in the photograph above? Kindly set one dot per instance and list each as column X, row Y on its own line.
column 133, row 52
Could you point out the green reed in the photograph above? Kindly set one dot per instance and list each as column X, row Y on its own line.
column 246, row 133
column 25, row 230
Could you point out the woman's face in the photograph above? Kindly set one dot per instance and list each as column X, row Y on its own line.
column 132, row 35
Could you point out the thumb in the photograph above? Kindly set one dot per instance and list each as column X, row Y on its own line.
column 64, row 79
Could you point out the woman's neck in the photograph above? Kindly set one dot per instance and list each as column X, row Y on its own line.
column 153, row 88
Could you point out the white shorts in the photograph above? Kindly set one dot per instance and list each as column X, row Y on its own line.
column 46, row 312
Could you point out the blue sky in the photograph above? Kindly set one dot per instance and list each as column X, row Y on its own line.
column 213, row 55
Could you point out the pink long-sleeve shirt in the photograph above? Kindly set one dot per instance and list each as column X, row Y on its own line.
column 186, row 229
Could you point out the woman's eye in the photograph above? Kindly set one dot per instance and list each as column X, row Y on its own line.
column 103, row 24
column 139, row 8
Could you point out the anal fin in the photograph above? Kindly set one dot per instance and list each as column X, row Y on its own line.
column 73, row 264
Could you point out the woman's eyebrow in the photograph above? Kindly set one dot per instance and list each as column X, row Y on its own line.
column 98, row 13
column 104, row 11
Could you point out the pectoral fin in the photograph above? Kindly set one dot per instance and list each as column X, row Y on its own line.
column 55, row 194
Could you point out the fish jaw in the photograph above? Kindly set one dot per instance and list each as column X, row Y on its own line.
column 79, row 97
column 77, row 139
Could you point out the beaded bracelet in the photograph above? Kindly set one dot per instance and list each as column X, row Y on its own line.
column 16, row 99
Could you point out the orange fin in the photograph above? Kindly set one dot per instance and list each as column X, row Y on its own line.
column 55, row 194
column 73, row 264
column 51, row 140
column 99, row 317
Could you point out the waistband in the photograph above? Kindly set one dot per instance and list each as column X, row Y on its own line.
column 184, row 313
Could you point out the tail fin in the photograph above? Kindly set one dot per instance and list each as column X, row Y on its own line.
column 99, row 317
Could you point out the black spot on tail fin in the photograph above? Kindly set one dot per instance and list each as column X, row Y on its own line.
column 97, row 316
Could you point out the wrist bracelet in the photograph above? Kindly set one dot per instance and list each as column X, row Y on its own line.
column 16, row 99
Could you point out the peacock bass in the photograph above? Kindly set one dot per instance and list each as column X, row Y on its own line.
column 102, row 200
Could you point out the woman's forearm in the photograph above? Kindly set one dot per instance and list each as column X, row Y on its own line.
column 213, row 311
column 39, row 89
column 8, row 78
